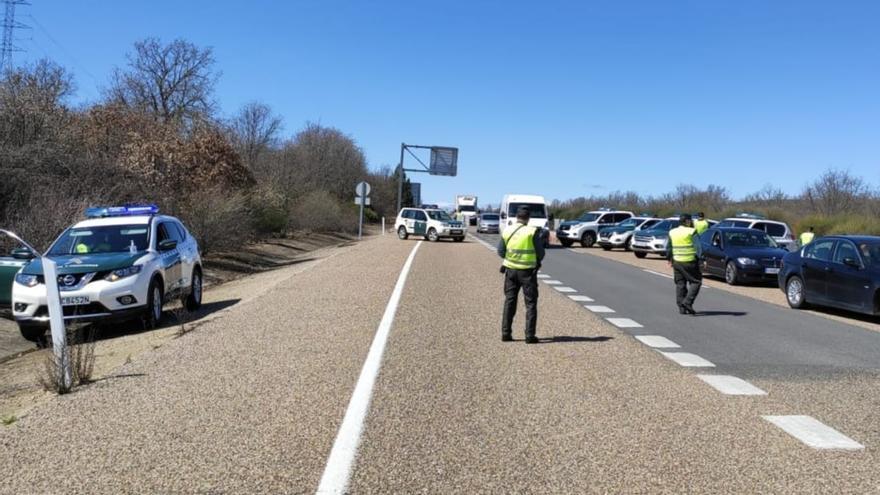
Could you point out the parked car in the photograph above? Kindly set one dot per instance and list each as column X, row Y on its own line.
column 433, row 225
column 585, row 229
column 489, row 223
column 14, row 254
column 837, row 271
column 620, row 234
column 119, row 263
column 654, row 239
column 740, row 255
column 779, row 231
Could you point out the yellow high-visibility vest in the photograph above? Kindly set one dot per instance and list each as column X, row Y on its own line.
column 520, row 242
column 682, row 240
column 807, row 237
column 701, row 226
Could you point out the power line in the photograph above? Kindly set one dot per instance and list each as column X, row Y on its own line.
column 7, row 47
column 63, row 50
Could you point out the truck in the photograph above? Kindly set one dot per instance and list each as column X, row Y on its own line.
column 466, row 205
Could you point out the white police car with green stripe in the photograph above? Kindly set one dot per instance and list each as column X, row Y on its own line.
column 430, row 223
column 120, row 263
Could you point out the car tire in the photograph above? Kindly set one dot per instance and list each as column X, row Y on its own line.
column 36, row 335
column 628, row 246
column 458, row 239
column 731, row 274
column 432, row 235
column 588, row 239
column 193, row 300
column 566, row 243
column 401, row 233
column 795, row 292
column 153, row 315
column 640, row 254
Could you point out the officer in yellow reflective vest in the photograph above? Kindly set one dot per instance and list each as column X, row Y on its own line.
column 683, row 253
column 701, row 224
column 522, row 248
column 807, row 237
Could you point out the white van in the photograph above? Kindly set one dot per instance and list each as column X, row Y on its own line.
column 536, row 204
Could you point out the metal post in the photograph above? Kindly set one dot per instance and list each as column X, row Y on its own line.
column 400, row 178
column 362, row 199
column 56, row 320
column 383, row 225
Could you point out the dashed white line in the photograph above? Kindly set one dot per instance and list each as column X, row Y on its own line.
column 543, row 275
column 581, row 298
column 731, row 385
column 599, row 309
column 552, row 282
column 658, row 273
column 657, row 341
column 688, row 360
column 624, row 323
column 565, row 289
column 338, row 469
column 814, row 433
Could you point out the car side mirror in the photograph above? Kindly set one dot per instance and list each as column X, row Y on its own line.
column 504, row 216
column 167, row 245
column 22, row 254
column 852, row 262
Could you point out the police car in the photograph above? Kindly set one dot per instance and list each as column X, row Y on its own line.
column 430, row 223
column 120, row 263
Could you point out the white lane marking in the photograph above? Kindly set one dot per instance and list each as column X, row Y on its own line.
column 658, row 273
column 688, row 360
column 566, row 290
column 814, row 433
column 338, row 469
column 657, row 341
column 731, row 385
column 543, row 275
column 552, row 282
column 624, row 323
column 581, row 298
column 484, row 243
column 599, row 309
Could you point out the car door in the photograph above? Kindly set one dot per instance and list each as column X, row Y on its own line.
column 186, row 245
column 170, row 259
column 9, row 266
column 849, row 286
column 420, row 222
column 816, row 267
column 713, row 252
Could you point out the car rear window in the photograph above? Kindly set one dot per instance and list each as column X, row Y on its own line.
column 774, row 229
column 489, row 216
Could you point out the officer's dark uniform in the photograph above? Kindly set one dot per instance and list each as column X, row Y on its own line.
column 683, row 252
column 522, row 248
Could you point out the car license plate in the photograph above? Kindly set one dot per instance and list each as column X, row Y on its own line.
column 74, row 300
column 771, row 271
column 456, row 232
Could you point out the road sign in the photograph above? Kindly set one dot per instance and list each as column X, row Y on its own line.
column 359, row 199
column 362, row 189
column 444, row 161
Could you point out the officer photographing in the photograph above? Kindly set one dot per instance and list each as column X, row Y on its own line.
column 683, row 256
column 701, row 224
column 522, row 248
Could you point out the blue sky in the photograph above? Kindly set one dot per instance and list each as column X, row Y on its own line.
column 556, row 98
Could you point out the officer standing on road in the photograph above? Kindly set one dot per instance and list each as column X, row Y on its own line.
column 807, row 237
column 701, row 224
column 522, row 248
column 683, row 256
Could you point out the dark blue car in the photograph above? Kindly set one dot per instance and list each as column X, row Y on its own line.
column 740, row 255
column 838, row 271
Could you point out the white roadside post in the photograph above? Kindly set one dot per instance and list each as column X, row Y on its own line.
column 383, row 225
column 56, row 321
column 362, row 192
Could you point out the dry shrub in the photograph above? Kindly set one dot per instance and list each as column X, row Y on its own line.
column 80, row 354
column 220, row 220
column 271, row 214
column 40, row 215
column 319, row 211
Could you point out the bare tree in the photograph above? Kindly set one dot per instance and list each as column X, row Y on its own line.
column 254, row 131
column 174, row 81
column 769, row 195
column 32, row 102
column 837, row 191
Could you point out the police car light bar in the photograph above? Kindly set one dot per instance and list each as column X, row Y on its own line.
column 121, row 211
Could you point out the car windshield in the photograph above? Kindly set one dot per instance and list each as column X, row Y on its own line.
column 466, row 208
column 666, row 225
column 490, row 217
column 749, row 239
column 630, row 222
column 870, row 253
column 104, row 239
column 589, row 217
column 439, row 215
column 536, row 210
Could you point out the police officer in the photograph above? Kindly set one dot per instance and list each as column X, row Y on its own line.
column 701, row 224
column 807, row 237
column 683, row 255
column 522, row 248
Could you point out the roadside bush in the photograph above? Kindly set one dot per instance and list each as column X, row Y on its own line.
column 271, row 214
column 320, row 211
column 219, row 220
column 40, row 215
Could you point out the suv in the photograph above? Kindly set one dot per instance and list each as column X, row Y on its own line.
column 620, row 235
column 430, row 223
column 653, row 240
column 120, row 263
column 779, row 231
column 586, row 228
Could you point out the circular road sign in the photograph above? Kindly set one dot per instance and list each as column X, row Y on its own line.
column 362, row 189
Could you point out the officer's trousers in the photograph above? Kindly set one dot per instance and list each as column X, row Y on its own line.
column 514, row 280
column 688, row 281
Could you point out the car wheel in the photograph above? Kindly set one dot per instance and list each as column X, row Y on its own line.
column 566, row 243
column 640, row 254
column 731, row 275
column 588, row 239
column 154, row 305
column 794, row 293
column 458, row 239
column 36, row 335
column 629, row 245
column 401, row 233
column 194, row 300
column 432, row 235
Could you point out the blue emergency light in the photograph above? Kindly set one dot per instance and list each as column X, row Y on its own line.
column 121, row 211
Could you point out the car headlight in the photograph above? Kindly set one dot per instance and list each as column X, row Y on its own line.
column 26, row 280
column 123, row 272
column 746, row 261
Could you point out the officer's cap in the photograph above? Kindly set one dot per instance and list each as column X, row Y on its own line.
column 685, row 217
column 523, row 212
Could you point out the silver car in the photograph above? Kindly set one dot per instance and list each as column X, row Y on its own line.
column 489, row 223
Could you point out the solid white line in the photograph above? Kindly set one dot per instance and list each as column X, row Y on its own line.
column 581, row 298
column 814, row 433
column 338, row 469
column 624, row 323
column 658, row 273
column 599, row 309
column 688, row 360
column 484, row 243
column 657, row 341
column 566, row 290
column 731, row 385
column 552, row 282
